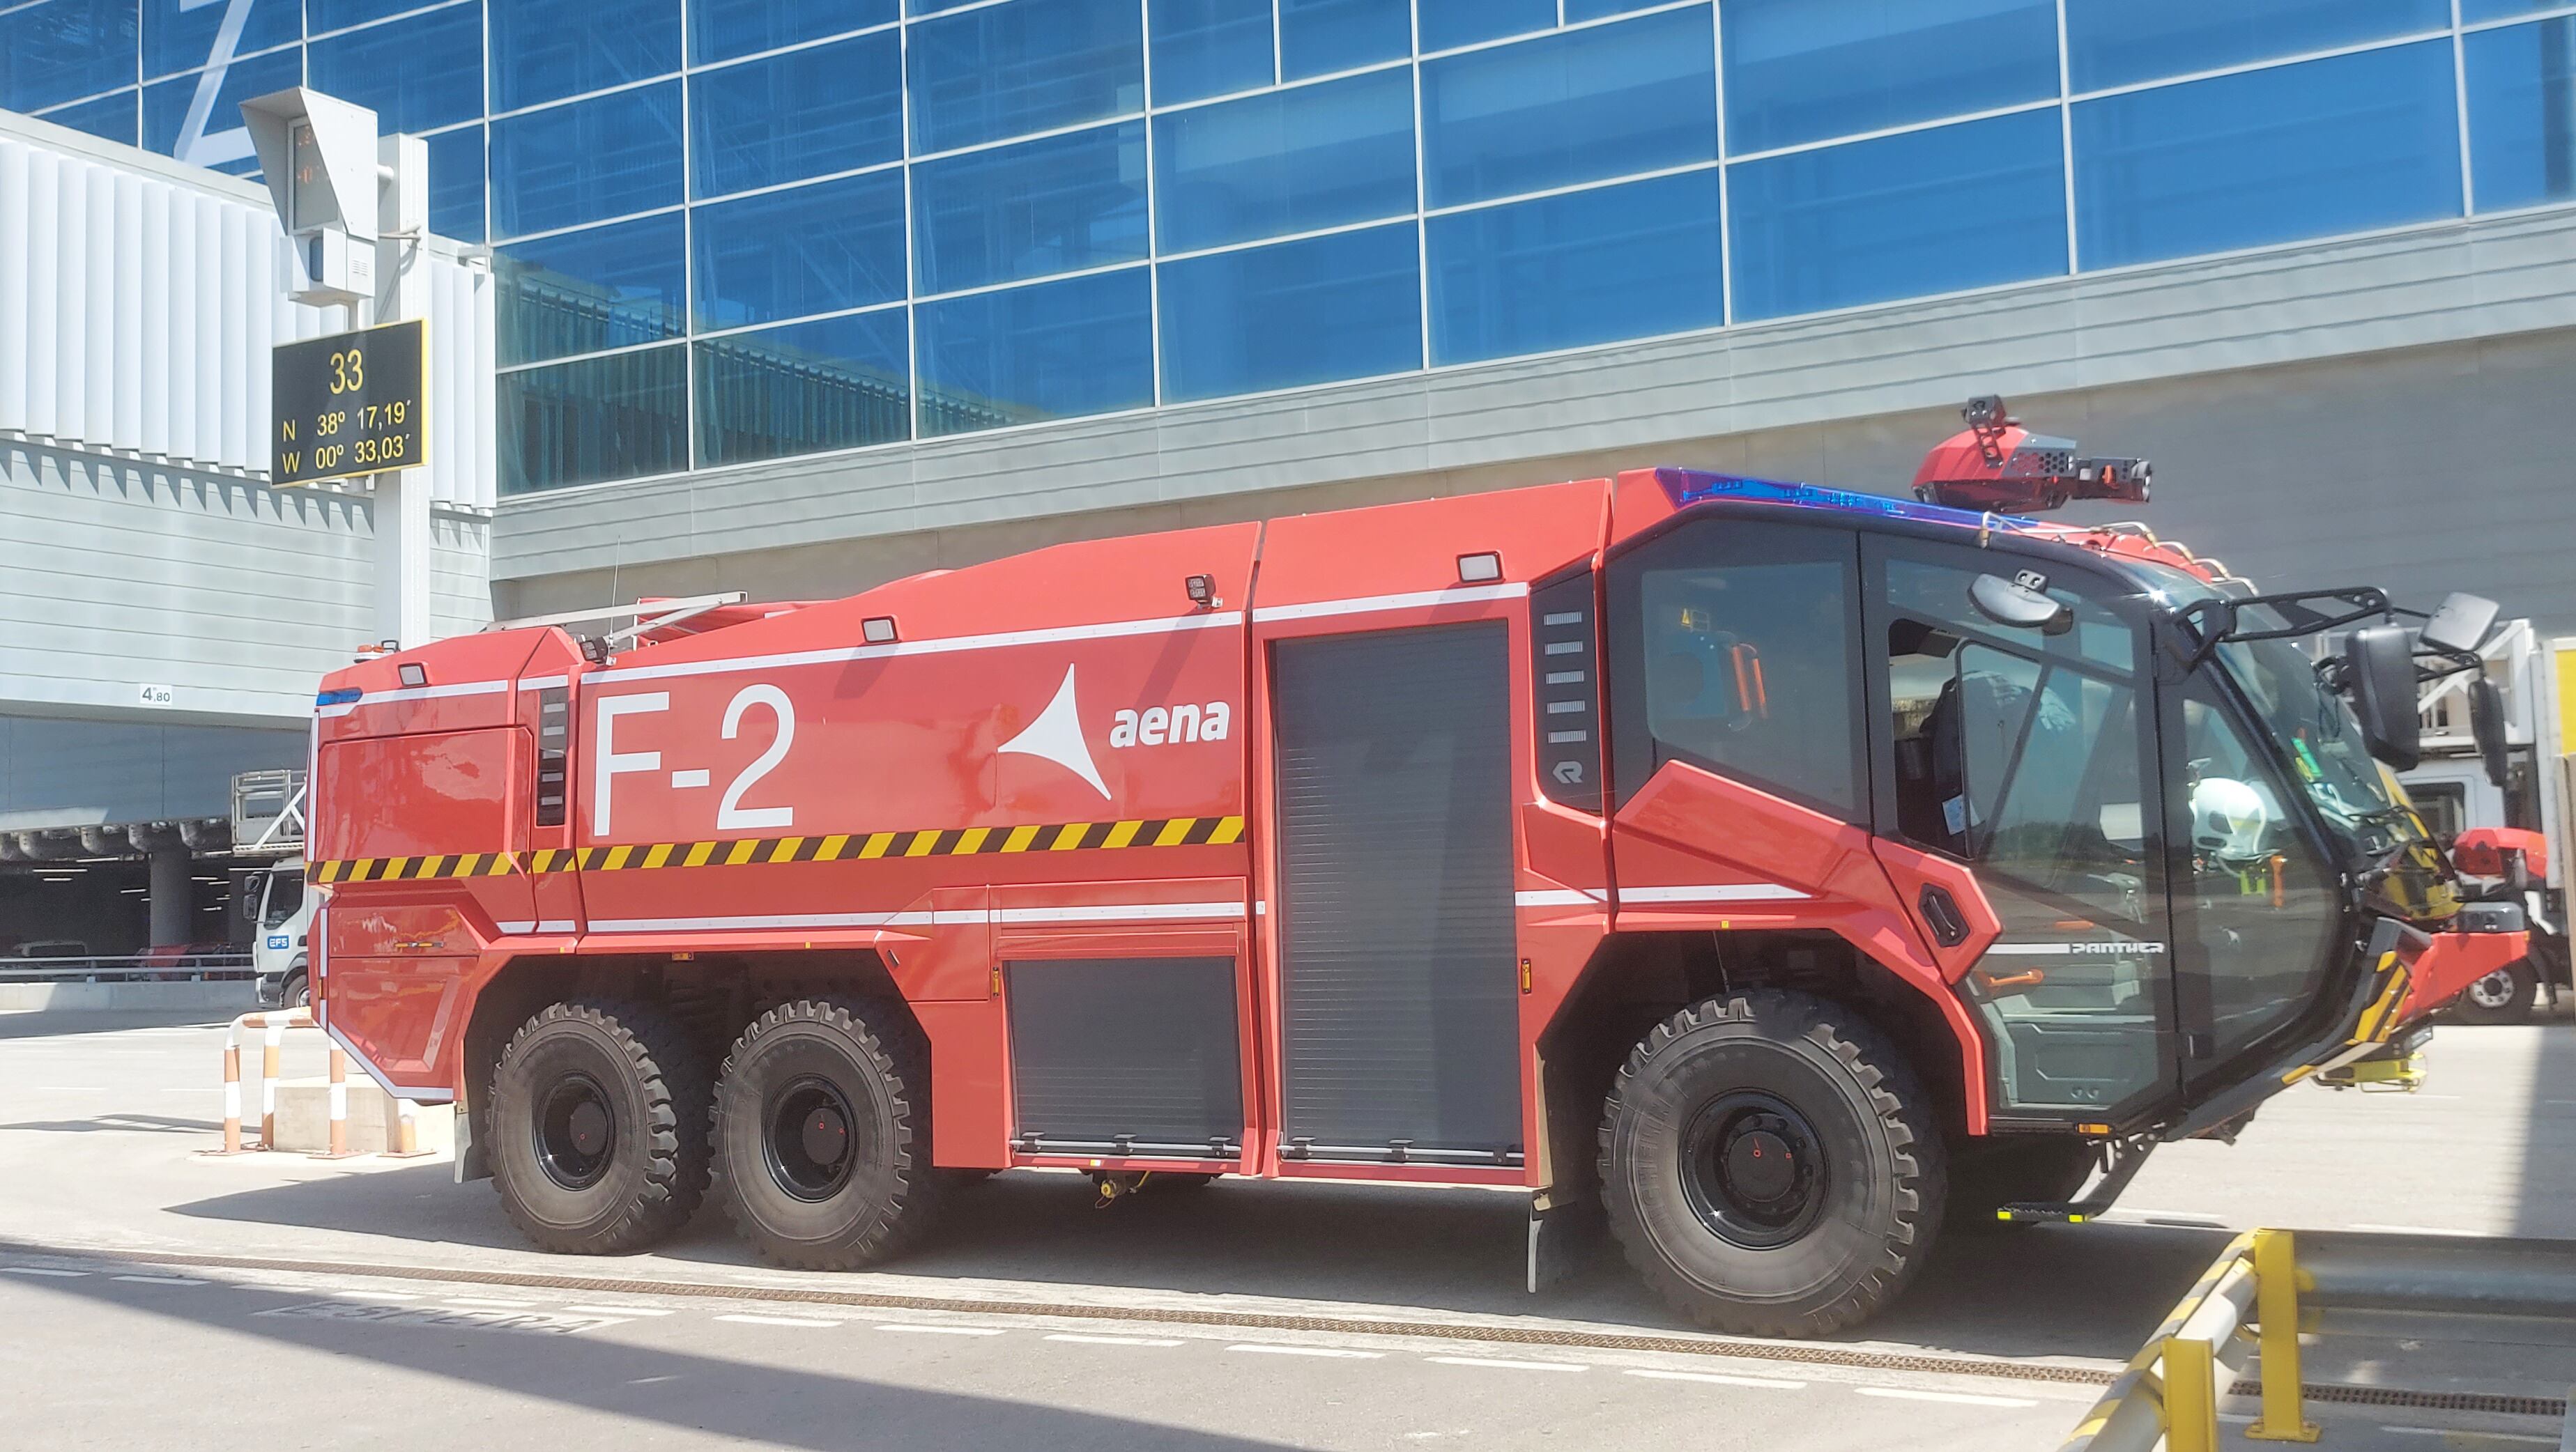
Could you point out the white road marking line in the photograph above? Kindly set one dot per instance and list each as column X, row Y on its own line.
column 747, row 1320
column 2468, row 1436
column 1268, row 1348
column 38, row 1270
column 651, row 1380
column 1114, row 1340
column 486, row 1301
column 367, row 1295
column 2416, row 1230
column 161, row 1280
column 1907, row 1393
column 1498, row 1364
column 919, row 1329
column 619, row 1310
column 1719, row 1379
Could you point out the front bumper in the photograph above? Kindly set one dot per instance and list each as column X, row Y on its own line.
column 2454, row 960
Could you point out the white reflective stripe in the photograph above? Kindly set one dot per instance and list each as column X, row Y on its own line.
column 843, row 654
column 414, row 693
column 544, row 683
column 392, row 1089
column 1557, row 897
column 1145, row 912
column 1714, row 892
column 1362, row 604
column 515, row 928
column 549, row 925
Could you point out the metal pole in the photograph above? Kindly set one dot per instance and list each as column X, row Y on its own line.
column 2191, row 1395
column 402, row 497
column 2276, row 1308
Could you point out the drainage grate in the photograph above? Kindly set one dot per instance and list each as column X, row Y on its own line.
column 2429, row 1401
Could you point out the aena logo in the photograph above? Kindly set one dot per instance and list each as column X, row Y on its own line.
column 1171, row 725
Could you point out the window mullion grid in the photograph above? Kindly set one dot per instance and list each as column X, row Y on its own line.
column 688, row 265
column 911, row 284
column 2066, row 140
column 1421, row 195
column 1725, row 186
column 1153, row 243
column 2460, row 102
column 1278, row 49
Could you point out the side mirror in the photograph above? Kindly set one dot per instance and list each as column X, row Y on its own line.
column 2461, row 624
column 2486, row 726
column 2379, row 670
column 2021, row 603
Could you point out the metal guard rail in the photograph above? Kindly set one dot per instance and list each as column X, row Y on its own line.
column 2250, row 1301
column 163, row 967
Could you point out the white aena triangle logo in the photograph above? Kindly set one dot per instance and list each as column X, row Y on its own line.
column 1056, row 735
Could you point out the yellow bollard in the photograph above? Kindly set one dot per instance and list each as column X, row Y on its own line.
column 2191, row 1395
column 2276, row 1309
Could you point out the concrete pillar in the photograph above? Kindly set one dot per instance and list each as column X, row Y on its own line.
column 174, row 896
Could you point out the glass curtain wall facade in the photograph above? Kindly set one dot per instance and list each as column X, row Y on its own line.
column 734, row 230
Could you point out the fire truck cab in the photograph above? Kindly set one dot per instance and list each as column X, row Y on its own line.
column 1784, row 871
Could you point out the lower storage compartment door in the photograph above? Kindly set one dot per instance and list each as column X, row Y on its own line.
column 1135, row 1057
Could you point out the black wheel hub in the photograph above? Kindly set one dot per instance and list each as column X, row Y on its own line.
column 576, row 1132
column 809, row 1125
column 1753, row 1170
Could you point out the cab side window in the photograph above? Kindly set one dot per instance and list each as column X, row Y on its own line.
column 1734, row 647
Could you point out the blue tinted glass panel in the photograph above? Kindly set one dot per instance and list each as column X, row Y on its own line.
column 2522, row 114
column 1054, row 205
column 582, row 292
column 806, row 113
column 545, row 50
column 63, row 50
column 1023, row 354
column 323, row 15
column 112, row 118
column 185, row 39
column 1344, row 306
column 2473, row 11
column 1578, row 10
column 1803, row 70
column 817, row 249
column 174, row 125
column 616, row 417
column 456, row 184
column 1636, row 96
column 1031, row 65
column 836, row 384
column 1464, row 22
column 1901, row 216
column 1318, row 37
column 2114, row 42
column 1209, row 47
column 2356, row 141
column 723, row 29
column 603, row 157
column 416, row 75
column 1580, row 267
column 1290, row 161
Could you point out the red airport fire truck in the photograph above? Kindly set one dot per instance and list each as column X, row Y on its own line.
column 1777, row 869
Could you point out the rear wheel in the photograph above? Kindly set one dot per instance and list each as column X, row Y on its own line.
column 598, row 1116
column 2503, row 996
column 822, row 1132
column 1770, row 1165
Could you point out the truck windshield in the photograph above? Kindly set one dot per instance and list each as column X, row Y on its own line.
column 2315, row 728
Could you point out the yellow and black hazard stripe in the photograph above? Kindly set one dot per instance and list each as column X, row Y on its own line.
column 413, row 869
column 869, row 846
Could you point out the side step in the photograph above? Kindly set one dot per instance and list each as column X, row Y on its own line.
column 2122, row 1159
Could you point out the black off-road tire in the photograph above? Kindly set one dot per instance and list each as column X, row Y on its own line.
column 1877, row 1161
column 1988, row 1174
column 846, row 1214
column 2512, row 997
column 651, row 1175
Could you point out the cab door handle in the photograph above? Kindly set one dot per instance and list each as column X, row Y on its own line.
column 1941, row 914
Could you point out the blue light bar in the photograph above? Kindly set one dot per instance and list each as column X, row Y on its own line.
column 340, row 697
column 1690, row 486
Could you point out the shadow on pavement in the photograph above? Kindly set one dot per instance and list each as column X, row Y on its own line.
column 763, row 1403
column 107, row 1021
column 2547, row 1188
column 2091, row 1291
column 121, row 1124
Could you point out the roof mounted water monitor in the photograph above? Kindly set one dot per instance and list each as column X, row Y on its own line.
column 1996, row 464
column 319, row 156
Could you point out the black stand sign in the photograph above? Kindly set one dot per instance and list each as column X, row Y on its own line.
column 347, row 405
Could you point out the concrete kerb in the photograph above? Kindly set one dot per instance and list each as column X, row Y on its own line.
column 125, row 997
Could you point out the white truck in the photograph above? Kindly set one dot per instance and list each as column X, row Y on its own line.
column 268, row 822
column 2505, row 802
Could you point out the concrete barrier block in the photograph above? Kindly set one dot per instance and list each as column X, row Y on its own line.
column 227, row 997
column 304, row 1119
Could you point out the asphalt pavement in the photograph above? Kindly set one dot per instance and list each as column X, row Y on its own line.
column 159, row 1298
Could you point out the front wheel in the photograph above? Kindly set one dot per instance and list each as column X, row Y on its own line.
column 2503, row 996
column 1770, row 1165
column 822, row 1133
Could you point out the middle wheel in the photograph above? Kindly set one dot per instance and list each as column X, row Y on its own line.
column 822, row 1134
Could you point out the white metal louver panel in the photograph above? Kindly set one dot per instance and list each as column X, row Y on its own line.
column 152, row 359
column 234, row 360
column 44, row 237
column 180, row 432
column 14, row 348
column 206, row 256
column 125, row 382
